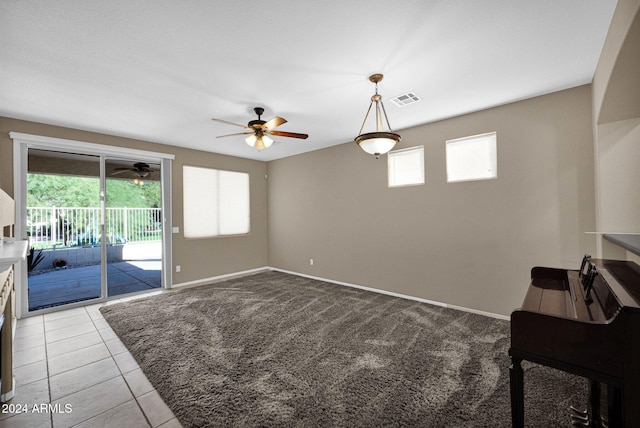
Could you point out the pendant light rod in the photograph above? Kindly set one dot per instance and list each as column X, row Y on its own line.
column 364, row 122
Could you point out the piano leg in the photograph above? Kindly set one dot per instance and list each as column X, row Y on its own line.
column 594, row 403
column 614, row 406
column 516, row 378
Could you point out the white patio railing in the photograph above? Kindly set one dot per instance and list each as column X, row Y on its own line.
column 55, row 227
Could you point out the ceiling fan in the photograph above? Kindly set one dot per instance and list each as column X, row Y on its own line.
column 139, row 169
column 259, row 130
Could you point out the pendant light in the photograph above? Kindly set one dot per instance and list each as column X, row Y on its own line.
column 379, row 141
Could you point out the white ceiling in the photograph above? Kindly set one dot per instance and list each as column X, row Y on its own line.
column 160, row 70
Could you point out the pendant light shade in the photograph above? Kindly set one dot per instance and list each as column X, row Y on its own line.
column 379, row 141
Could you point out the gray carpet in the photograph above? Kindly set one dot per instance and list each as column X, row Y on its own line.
column 279, row 350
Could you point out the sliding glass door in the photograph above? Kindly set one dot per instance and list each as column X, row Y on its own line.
column 97, row 219
column 74, row 235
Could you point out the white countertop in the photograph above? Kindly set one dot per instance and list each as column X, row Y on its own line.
column 12, row 252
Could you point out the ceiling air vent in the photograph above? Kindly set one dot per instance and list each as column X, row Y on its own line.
column 405, row 99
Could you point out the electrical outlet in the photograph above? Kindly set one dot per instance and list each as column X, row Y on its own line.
column 311, row 262
column 175, row 229
column 177, row 268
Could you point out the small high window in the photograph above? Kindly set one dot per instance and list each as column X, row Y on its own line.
column 215, row 202
column 406, row 167
column 472, row 158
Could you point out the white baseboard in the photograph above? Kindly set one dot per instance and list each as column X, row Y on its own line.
column 402, row 296
column 346, row 284
column 9, row 394
column 220, row 277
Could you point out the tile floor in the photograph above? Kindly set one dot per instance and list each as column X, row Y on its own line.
column 74, row 360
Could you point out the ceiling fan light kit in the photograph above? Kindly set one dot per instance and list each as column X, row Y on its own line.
column 259, row 141
column 380, row 141
column 259, row 130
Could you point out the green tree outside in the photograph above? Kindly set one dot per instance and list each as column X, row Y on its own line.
column 44, row 190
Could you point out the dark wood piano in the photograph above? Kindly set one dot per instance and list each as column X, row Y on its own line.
column 585, row 322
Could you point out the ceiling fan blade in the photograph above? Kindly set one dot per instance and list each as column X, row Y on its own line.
column 121, row 170
column 231, row 135
column 228, row 123
column 275, row 122
column 289, row 134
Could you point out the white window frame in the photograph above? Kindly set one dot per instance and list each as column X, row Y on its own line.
column 489, row 158
column 394, row 180
column 210, row 209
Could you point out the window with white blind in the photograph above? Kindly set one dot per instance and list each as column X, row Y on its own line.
column 472, row 158
column 406, row 167
column 216, row 202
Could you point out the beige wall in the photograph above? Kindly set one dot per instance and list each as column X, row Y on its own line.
column 199, row 258
column 616, row 92
column 619, row 178
column 469, row 244
column 616, row 105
